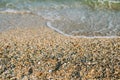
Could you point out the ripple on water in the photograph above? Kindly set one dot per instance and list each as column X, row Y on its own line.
column 68, row 18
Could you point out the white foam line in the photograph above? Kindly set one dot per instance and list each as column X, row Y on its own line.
column 50, row 26
column 15, row 11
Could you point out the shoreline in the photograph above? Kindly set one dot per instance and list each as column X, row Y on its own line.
column 67, row 35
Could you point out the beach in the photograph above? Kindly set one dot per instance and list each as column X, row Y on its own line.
column 59, row 40
column 40, row 53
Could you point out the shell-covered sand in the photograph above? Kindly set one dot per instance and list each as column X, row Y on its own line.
column 43, row 54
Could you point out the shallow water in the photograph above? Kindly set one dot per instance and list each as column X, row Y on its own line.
column 88, row 18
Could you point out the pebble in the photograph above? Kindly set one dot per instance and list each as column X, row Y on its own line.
column 25, row 78
column 62, row 65
column 30, row 71
column 50, row 71
column 0, row 67
column 38, row 62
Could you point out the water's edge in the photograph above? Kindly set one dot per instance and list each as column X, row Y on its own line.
column 78, row 18
column 59, row 31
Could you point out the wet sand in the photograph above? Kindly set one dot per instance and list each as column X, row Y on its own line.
column 43, row 54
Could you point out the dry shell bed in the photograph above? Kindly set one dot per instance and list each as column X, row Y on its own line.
column 43, row 54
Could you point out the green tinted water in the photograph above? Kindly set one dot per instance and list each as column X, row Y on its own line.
column 108, row 4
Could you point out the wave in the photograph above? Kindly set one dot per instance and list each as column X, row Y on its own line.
column 67, row 17
column 108, row 4
column 59, row 31
column 26, row 4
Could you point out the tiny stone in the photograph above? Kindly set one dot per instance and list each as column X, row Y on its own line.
column 89, row 63
column 58, row 65
column 50, row 71
column 65, row 63
column 0, row 66
column 25, row 78
column 14, row 78
column 38, row 62
column 30, row 71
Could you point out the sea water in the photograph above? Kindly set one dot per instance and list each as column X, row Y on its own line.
column 81, row 18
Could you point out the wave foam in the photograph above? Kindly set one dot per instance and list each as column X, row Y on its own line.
column 59, row 31
column 15, row 11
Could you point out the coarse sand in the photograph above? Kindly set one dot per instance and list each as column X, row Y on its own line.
column 43, row 54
